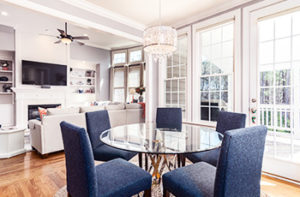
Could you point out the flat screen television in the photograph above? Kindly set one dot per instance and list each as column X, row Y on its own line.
column 40, row 73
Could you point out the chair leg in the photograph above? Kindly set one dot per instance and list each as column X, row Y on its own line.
column 141, row 160
column 166, row 193
column 146, row 162
column 147, row 193
column 183, row 160
column 178, row 160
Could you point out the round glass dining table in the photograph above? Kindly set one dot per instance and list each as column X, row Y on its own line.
column 156, row 143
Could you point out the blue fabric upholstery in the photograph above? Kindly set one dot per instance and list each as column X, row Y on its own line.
column 230, row 120
column 170, row 118
column 240, row 162
column 226, row 121
column 114, row 178
column 193, row 180
column 81, row 172
column 96, row 123
column 238, row 172
column 121, row 178
column 106, row 153
column 210, row 156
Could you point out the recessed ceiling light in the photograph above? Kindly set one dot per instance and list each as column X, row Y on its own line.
column 85, row 35
column 3, row 13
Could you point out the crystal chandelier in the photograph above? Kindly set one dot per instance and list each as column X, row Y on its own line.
column 160, row 40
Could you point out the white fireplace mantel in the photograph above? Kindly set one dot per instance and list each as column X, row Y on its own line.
column 36, row 96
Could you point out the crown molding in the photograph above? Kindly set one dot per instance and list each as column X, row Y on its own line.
column 97, row 46
column 96, row 9
column 72, row 18
column 212, row 12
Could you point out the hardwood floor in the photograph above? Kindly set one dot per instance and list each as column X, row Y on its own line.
column 29, row 175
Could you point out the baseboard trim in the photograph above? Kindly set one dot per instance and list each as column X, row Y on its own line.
column 277, row 177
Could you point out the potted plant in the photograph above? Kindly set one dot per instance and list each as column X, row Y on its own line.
column 140, row 91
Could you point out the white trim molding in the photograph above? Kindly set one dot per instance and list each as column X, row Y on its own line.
column 213, row 12
column 96, row 9
column 75, row 18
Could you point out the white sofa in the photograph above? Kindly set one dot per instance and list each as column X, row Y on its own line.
column 46, row 134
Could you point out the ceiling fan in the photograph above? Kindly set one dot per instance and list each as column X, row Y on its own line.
column 66, row 38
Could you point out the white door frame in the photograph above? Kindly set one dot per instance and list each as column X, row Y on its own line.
column 251, row 15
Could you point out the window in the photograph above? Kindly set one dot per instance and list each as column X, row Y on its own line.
column 119, row 57
column 279, row 84
column 134, row 80
column 175, row 82
column 126, row 74
column 119, row 85
column 215, row 46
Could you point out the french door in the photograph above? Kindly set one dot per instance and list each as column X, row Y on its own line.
column 275, row 85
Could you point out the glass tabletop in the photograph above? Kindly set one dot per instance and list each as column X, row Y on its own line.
column 147, row 138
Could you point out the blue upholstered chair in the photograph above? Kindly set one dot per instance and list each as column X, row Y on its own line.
column 113, row 178
column 96, row 123
column 226, row 121
column 170, row 118
column 238, row 172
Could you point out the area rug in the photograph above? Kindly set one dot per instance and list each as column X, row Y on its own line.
column 156, row 190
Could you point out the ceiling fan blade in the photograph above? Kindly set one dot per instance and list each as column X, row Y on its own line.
column 62, row 32
column 80, row 43
column 57, row 42
column 81, row 38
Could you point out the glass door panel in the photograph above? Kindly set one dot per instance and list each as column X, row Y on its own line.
column 279, row 84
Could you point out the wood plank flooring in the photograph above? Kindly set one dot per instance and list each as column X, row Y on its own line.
column 30, row 176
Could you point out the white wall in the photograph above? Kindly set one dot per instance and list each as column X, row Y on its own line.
column 7, row 46
column 99, row 56
column 29, row 45
column 7, row 38
column 36, row 47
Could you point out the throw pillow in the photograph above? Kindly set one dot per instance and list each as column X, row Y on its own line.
column 43, row 112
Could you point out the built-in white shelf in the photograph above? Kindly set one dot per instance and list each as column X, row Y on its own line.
column 83, row 93
column 6, row 71
column 6, row 82
column 83, row 80
column 6, row 93
column 83, row 77
column 82, row 85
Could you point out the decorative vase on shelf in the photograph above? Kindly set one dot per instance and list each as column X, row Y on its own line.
column 141, row 98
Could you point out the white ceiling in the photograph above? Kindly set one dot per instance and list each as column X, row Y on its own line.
column 146, row 11
column 35, row 22
column 136, row 14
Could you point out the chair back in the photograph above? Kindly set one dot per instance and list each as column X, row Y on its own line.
column 229, row 120
column 80, row 167
column 240, row 163
column 96, row 123
column 169, row 118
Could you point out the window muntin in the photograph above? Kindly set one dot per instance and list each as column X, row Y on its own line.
column 279, row 84
column 175, row 82
column 216, row 70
